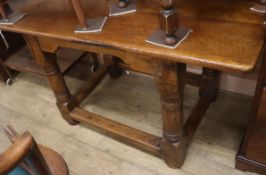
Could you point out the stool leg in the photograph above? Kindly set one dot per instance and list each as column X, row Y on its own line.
column 65, row 101
column 4, row 73
column 170, row 82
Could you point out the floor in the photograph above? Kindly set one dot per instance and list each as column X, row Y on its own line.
column 133, row 100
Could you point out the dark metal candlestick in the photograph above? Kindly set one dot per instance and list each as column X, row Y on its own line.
column 87, row 25
column 121, row 7
column 170, row 34
column 260, row 7
column 8, row 16
column 169, row 21
column 123, row 3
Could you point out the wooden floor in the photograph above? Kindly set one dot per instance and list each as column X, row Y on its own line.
column 131, row 99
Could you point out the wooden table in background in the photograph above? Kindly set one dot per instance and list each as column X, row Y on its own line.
column 226, row 37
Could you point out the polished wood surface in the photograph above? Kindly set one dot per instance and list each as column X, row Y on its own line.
column 227, row 36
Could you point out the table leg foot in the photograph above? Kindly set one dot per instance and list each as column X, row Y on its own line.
column 173, row 153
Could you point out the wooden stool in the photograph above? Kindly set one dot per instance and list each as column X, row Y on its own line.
column 24, row 156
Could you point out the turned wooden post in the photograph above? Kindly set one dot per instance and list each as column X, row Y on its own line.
column 80, row 13
column 169, row 21
column 123, row 3
column 170, row 82
column 65, row 101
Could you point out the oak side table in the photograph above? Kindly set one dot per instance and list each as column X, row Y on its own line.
column 229, row 39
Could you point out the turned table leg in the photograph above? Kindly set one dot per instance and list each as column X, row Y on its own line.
column 170, row 81
column 65, row 101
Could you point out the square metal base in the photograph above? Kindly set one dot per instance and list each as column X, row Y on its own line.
column 95, row 25
column 116, row 11
column 12, row 18
column 158, row 37
column 259, row 8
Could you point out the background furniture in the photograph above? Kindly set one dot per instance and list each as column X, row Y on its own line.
column 18, row 57
column 252, row 155
column 10, row 43
column 27, row 157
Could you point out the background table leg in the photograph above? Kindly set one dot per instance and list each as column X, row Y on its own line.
column 170, row 81
column 209, row 85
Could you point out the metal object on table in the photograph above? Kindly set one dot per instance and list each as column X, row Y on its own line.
column 91, row 25
column 94, row 25
column 116, row 10
column 12, row 18
column 158, row 37
column 9, row 17
column 259, row 8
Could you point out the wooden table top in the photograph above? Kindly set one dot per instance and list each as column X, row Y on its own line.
column 227, row 35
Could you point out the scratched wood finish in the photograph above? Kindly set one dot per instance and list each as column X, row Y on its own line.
column 229, row 40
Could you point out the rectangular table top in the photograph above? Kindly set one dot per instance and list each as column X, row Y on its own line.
column 226, row 34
